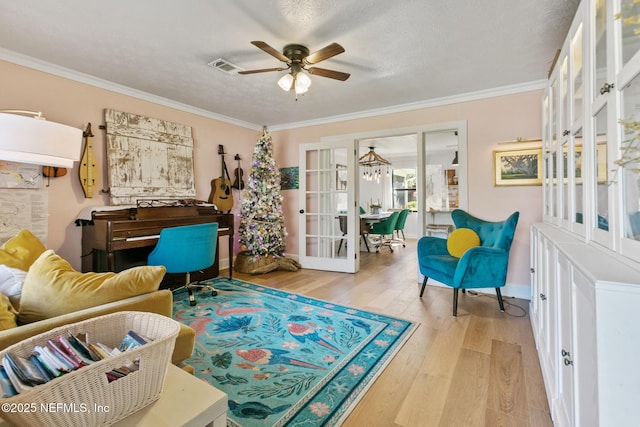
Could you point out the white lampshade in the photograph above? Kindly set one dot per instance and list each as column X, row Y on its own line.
column 302, row 83
column 286, row 82
column 39, row 142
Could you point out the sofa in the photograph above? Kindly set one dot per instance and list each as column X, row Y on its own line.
column 39, row 291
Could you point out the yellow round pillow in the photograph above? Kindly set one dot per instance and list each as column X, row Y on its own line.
column 460, row 240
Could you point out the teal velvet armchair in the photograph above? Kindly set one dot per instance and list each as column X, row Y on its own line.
column 484, row 266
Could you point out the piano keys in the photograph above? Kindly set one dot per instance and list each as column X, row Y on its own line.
column 115, row 240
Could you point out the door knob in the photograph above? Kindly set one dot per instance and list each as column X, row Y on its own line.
column 301, row 210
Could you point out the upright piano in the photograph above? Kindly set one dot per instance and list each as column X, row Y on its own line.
column 115, row 240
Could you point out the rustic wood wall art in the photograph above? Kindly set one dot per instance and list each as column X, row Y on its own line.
column 147, row 158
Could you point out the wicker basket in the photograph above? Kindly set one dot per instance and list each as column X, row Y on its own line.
column 85, row 397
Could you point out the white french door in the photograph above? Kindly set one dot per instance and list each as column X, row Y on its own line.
column 329, row 216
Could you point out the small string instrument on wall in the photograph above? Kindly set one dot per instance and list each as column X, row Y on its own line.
column 238, row 184
column 221, row 187
column 88, row 168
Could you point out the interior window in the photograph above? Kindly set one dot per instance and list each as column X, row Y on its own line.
column 404, row 189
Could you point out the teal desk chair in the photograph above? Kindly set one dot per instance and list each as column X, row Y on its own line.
column 484, row 266
column 185, row 250
column 383, row 229
column 402, row 219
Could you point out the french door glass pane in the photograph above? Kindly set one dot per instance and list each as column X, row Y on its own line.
column 326, row 197
column 629, row 158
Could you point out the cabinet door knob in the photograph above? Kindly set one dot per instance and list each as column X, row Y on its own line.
column 543, row 297
column 566, row 132
column 533, row 270
column 565, row 353
column 568, row 362
column 606, row 88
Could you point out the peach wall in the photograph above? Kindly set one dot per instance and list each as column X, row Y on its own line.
column 75, row 104
column 489, row 121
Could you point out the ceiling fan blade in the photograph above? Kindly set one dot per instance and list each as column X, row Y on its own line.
column 323, row 72
column 263, row 70
column 271, row 51
column 325, row 53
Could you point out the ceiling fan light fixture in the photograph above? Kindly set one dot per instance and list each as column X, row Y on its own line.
column 297, row 57
column 286, row 82
column 302, row 83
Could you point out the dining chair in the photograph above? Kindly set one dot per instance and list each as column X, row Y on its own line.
column 399, row 228
column 364, row 229
column 187, row 249
column 384, row 230
column 483, row 265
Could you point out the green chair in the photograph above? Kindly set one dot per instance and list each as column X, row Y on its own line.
column 484, row 266
column 385, row 230
column 402, row 219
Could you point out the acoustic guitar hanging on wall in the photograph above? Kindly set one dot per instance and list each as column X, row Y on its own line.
column 221, row 187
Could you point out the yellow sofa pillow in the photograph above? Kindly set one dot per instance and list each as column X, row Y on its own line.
column 21, row 250
column 460, row 240
column 52, row 287
column 7, row 314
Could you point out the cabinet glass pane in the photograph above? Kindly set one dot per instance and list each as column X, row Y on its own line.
column 630, row 29
column 600, row 47
column 565, row 181
column 554, row 182
column 600, row 155
column 564, row 101
column 577, row 74
column 578, row 199
column 630, row 159
column 545, row 150
column 553, row 123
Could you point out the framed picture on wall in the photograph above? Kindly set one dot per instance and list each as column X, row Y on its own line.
column 289, row 178
column 518, row 167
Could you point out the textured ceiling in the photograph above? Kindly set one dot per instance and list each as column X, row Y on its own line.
column 398, row 52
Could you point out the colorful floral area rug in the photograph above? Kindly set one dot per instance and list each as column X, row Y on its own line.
column 286, row 359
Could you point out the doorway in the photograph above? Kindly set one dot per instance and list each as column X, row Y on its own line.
column 437, row 185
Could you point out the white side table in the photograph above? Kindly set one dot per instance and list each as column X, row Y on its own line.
column 185, row 401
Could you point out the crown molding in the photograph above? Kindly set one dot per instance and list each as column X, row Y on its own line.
column 437, row 102
column 47, row 67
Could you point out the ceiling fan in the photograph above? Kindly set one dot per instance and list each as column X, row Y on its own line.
column 297, row 58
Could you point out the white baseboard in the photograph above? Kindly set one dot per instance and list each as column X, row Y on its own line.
column 512, row 291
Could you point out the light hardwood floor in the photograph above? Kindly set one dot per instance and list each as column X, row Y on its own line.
column 477, row 369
